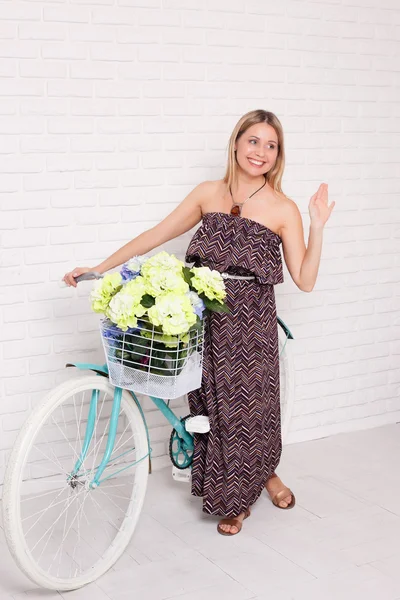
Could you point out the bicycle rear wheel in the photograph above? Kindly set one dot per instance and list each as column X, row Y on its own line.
column 62, row 533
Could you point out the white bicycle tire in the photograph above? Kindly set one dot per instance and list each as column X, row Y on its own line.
column 11, row 511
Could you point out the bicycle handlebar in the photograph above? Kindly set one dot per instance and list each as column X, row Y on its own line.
column 84, row 277
column 89, row 275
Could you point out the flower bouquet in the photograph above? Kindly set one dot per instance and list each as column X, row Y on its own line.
column 153, row 327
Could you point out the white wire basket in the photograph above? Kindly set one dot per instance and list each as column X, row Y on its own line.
column 144, row 364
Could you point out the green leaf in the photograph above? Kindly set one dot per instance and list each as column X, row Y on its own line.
column 138, row 345
column 216, row 306
column 160, row 372
column 148, row 301
column 197, row 326
column 156, row 362
column 159, row 346
column 187, row 275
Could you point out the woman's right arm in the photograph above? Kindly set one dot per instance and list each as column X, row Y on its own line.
column 185, row 216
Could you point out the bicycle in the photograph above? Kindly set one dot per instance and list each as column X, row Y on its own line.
column 81, row 463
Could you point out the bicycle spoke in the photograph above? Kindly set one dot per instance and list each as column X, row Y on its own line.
column 43, row 510
column 78, row 427
column 114, row 495
column 118, row 447
column 109, row 520
column 96, row 444
column 122, row 434
column 59, row 562
column 66, row 439
column 51, row 505
column 65, row 533
column 116, row 505
column 55, row 522
column 30, row 498
column 81, row 510
column 56, row 462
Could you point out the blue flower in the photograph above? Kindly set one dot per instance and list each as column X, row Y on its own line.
column 127, row 274
column 197, row 303
column 131, row 269
column 113, row 333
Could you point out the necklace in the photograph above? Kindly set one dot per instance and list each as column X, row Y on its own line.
column 237, row 206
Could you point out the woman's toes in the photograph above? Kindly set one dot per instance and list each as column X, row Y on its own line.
column 229, row 528
column 285, row 502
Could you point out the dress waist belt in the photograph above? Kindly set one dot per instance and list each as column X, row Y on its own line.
column 226, row 275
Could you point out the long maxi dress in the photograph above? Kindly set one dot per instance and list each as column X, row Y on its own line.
column 240, row 384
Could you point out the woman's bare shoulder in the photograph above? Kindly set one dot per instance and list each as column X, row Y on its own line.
column 208, row 187
column 287, row 204
column 290, row 212
column 283, row 198
column 214, row 184
column 209, row 191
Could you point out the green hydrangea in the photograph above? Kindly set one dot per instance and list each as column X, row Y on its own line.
column 163, row 273
column 171, row 341
column 103, row 291
column 174, row 312
column 185, row 338
column 209, row 282
column 126, row 306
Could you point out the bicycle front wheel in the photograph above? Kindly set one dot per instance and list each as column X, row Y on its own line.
column 62, row 532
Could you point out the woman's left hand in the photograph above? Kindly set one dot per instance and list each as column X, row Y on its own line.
column 318, row 207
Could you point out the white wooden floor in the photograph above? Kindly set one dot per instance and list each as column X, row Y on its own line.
column 341, row 540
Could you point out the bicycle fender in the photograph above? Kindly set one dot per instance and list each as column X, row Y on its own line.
column 99, row 369
column 285, row 328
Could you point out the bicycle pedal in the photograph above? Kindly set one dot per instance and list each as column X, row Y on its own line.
column 199, row 424
column 182, row 475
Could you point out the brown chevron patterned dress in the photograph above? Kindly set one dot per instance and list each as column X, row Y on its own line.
column 240, row 385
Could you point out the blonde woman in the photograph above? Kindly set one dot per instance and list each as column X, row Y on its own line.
column 245, row 219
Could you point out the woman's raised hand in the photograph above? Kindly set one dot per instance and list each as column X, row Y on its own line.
column 318, row 207
column 69, row 277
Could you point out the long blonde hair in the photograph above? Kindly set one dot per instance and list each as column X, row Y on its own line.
column 274, row 176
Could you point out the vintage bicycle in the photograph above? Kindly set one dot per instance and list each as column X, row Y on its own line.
column 76, row 477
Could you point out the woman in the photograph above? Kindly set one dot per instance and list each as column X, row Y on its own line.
column 240, row 388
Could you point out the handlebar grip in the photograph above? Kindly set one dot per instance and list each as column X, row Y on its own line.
column 84, row 277
column 88, row 276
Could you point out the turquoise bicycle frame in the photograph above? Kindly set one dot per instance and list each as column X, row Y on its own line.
column 112, row 432
column 102, row 370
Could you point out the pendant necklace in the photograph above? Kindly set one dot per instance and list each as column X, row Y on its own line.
column 237, row 206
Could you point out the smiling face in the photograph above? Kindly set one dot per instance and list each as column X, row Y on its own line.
column 257, row 150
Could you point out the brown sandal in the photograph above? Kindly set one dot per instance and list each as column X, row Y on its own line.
column 281, row 495
column 234, row 523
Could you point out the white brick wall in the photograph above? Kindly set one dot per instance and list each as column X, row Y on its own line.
column 111, row 111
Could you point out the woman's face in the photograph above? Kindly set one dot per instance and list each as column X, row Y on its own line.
column 257, row 149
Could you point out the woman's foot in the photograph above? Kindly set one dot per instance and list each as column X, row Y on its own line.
column 227, row 526
column 275, row 485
